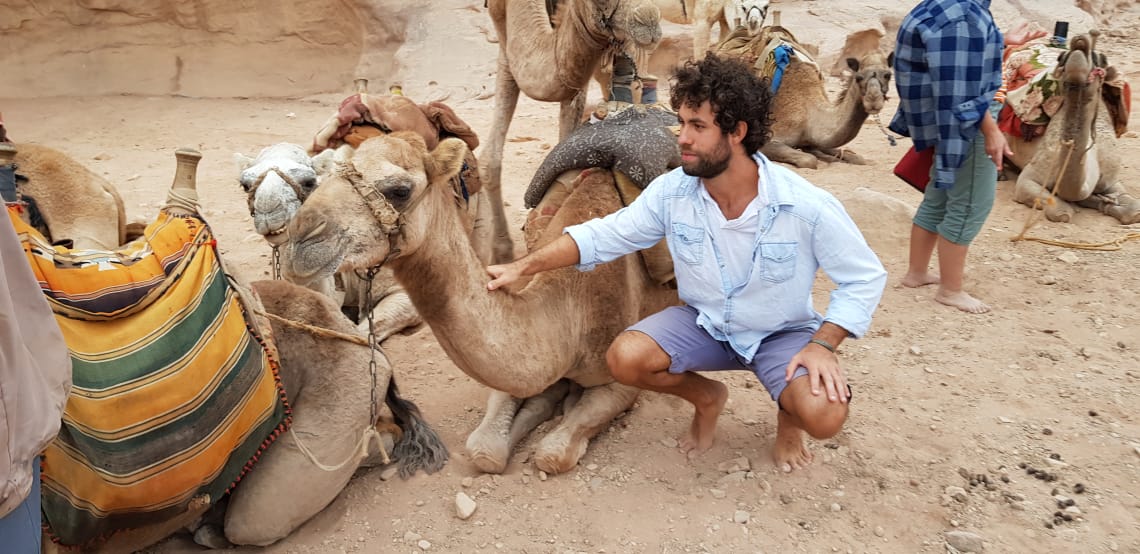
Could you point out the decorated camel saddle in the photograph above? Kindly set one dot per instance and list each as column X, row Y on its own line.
column 637, row 143
column 770, row 51
column 363, row 115
column 1031, row 78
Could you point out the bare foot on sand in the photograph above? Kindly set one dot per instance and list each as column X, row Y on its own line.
column 962, row 301
column 913, row 280
column 701, row 432
column 789, row 452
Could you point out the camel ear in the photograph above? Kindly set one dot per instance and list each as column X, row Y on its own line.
column 446, row 160
column 243, row 162
column 325, row 162
column 853, row 64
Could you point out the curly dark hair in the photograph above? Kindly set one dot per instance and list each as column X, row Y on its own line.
column 733, row 91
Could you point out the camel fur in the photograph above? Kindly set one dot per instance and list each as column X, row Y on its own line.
column 1091, row 177
column 76, row 204
column 549, row 338
column 552, row 63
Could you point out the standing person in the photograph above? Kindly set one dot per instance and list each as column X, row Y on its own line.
column 948, row 61
column 747, row 238
column 35, row 376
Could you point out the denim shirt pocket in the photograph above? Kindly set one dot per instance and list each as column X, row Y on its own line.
column 777, row 261
column 689, row 243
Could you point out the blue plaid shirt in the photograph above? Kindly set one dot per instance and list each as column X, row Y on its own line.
column 948, row 58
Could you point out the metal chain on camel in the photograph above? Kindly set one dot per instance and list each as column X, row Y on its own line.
column 1063, row 164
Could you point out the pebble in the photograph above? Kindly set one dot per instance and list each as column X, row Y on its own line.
column 717, row 493
column 835, row 507
column 467, row 482
column 1046, row 431
column 412, row 536
column 965, row 541
column 957, row 493
column 785, row 499
column 464, row 505
column 741, row 517
column 915, row 350
column 1046, row 280
column 424, row 545
column 734, row 465
column 389, row 472
column 669, row 443
column 880, row 532
column 542, row 476
column 1069, row 258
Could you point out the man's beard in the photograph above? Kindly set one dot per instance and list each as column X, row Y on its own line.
column 707, row 167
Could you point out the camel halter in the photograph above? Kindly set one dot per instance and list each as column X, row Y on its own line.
column 297, row 190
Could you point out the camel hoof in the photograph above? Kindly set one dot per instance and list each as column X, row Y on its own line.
column 553, row 464
column 487, row 463
column 555, row 460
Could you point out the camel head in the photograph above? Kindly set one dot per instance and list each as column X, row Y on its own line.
column 870, row 79
column 1082, row 73
column 277, row 181
column 751, row 13
column 636, row 23
column 381, row 197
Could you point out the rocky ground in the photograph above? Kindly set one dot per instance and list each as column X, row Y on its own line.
column 951, row 411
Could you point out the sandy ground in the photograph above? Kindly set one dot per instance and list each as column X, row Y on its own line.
column 1048, row 379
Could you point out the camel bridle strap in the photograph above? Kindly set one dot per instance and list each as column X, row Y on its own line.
column 297, row 189
column 748, row 9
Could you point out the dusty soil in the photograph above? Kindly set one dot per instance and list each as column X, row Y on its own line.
column 1048, row 379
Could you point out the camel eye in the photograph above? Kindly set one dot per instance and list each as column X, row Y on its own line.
column 308, row 183
column 398, row 193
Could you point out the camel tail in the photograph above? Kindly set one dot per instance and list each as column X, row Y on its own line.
column 419, row 447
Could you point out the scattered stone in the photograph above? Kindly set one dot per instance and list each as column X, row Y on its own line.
column 542, row 475
column 464, row 505
column 669, row 442
column 835, row 507
column 965, row 541
column 1046, row 431
column 965, row 473
column 735, row 465
column 1069, row 258
column 785, row 499
column 592, row 467
column 1079, row 488
column 1093, row 413
column 741, row 517
column 467, row 482
column 389, row 472
column 1005, row 257
column 1004, row 419
column 411, row 537
column 717, row 493
column 1046, row 280
column 879, row 531
column 915, row 350
column 211, row 537
column 424, row 545
column 957, row 493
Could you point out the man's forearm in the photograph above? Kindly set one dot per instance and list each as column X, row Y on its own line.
column 831, row 333
column 562, row 252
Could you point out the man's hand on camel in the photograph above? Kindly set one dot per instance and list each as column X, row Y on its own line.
column 503, row 275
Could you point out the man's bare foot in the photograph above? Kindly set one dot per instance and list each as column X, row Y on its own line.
column 703, row 429
column 913, row 280
column 789, row 452
column 962, row 301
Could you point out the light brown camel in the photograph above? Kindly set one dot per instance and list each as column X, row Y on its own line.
column 546, row 337
column 76, row 204
column 807, row 126
column 332, row 393
column 1092, row 175
column 552, row 64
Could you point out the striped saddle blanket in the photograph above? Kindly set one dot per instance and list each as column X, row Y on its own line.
column 174, row 394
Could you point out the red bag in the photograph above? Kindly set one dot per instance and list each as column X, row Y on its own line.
column 914, row 168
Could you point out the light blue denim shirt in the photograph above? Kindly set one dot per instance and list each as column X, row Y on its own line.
column 802, row 228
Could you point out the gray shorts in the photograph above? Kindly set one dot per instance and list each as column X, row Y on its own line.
column 691, row 348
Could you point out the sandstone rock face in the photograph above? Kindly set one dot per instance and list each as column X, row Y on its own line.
column 193, row 47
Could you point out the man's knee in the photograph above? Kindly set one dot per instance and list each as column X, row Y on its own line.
column 633, row 354
column 825, row 419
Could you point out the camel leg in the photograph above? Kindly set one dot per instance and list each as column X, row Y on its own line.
column 559, row 451
column 393, row 314
column 489, row 445
column 1115, row 201
column 604, row 79
column 1030, row 192
column 701, row 31
column 832, row 155
column 536, row 410
column 506, row 99
column 570, row 114
column 781, row 152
